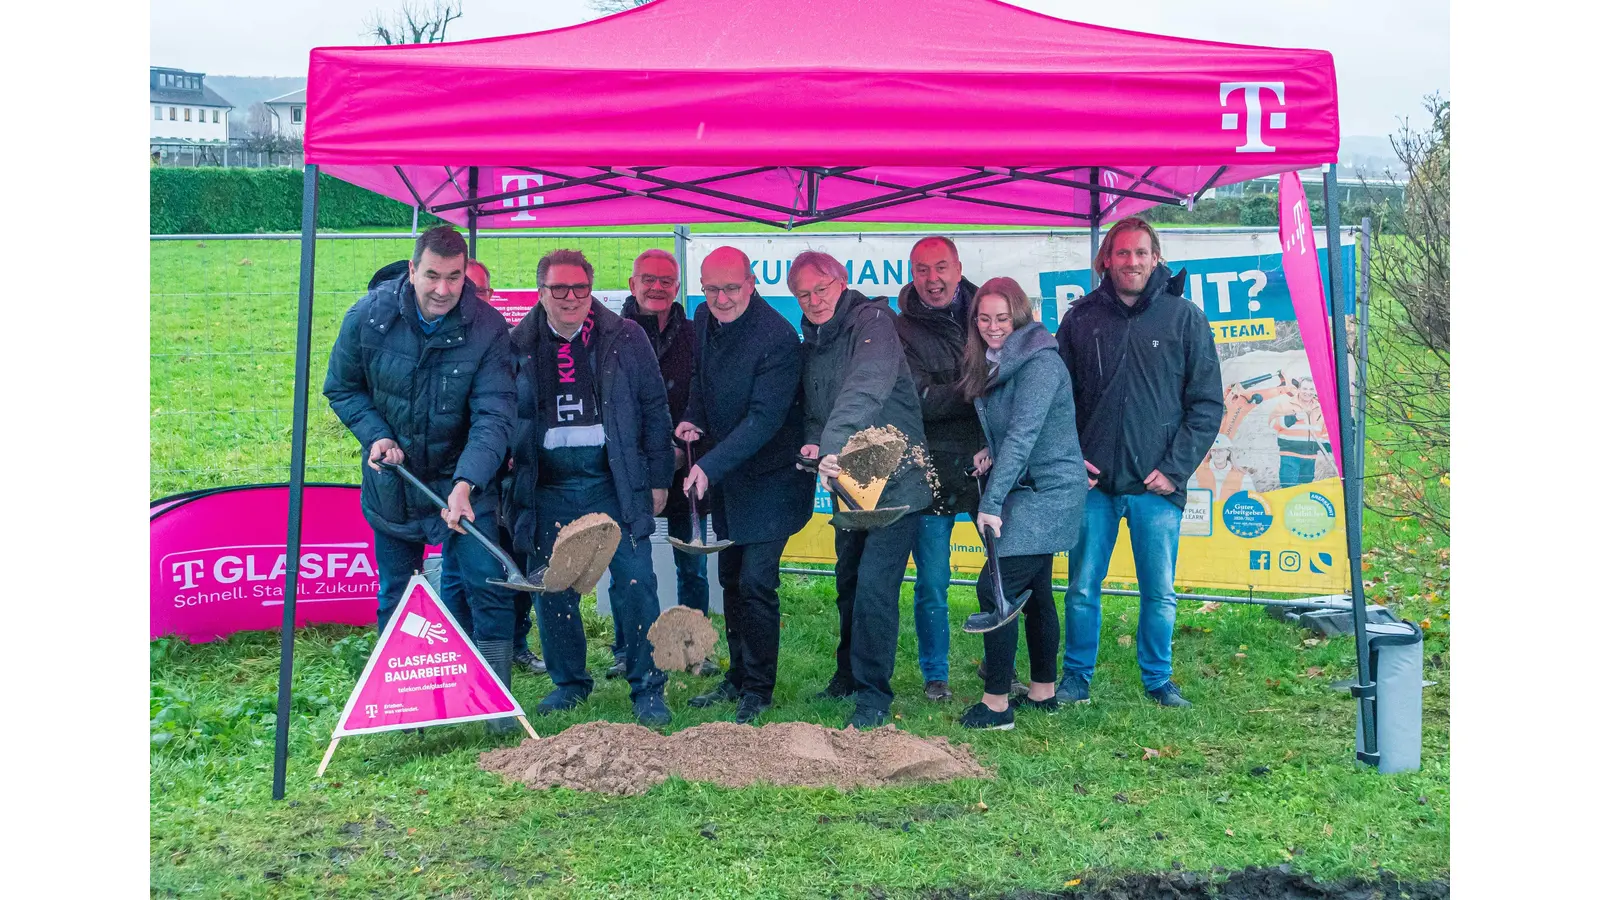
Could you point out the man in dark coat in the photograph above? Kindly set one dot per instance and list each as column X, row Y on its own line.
column 421, row 374
column 933, row 331
column 654, row 306
column 856, row 378
column 593, row 435
column 1148, row 390
column 745, row 409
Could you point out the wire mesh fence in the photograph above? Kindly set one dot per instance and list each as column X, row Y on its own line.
column 222, row 325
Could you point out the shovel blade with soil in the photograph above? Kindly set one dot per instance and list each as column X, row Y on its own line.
column 514, row 579
column 865, row 464
column 697, row 545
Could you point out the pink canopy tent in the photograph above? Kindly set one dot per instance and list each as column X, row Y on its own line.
column 790, row 112
column 796, row 111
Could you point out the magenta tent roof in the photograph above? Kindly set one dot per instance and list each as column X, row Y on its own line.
column 793, row 111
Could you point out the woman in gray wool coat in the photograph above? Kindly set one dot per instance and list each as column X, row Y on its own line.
column 1033, row 500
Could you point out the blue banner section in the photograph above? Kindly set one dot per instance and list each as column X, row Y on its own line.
column 1227, row 288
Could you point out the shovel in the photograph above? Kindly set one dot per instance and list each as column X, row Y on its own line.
column 514, row 580
column 1003, row 614
column 853, row 517
column 697, row 526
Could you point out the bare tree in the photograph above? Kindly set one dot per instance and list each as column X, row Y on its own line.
column 415, row 22
column 607, row 7
column 1408, row 391
column 258, row 122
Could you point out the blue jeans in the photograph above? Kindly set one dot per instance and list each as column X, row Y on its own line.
column 488, row 609
column 1153, row 528
column 633, row 596
column 931, row 596
column 694, row 591
column 452, row 591
column 1294, row 470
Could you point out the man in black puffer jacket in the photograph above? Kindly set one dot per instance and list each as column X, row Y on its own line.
column 1148, row 390
column 653, row 305
column 421, row 374
column 856, row 378
column 933, row 330
column 593, row 435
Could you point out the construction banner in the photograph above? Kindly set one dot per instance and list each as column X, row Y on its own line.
column 1265, row 510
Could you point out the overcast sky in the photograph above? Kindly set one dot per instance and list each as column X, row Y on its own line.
column 1389, row 53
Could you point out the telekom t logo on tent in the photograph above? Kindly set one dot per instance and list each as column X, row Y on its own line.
column 519, row 182
column 1251, row 91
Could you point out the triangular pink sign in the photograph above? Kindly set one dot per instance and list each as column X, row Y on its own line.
column 424, row 672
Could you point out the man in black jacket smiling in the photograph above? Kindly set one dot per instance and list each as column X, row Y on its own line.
column 1148, row 390
column 856, row 378
column 593, row 435
column 744, row 407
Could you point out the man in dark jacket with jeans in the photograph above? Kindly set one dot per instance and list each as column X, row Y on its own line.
column 421, row 374
column 745, row 411
column 654, row 306
column 856, row 378
column 933, row 331
column 593, row 435
column 1148, row 391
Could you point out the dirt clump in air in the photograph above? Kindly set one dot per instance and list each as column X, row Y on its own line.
column 681, row 639
column 624, row 758
column 582, row 551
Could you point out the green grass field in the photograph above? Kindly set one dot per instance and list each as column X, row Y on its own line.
column 1074, row 797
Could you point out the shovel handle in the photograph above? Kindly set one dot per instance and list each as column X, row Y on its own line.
column 696, row 527
column 493, row 547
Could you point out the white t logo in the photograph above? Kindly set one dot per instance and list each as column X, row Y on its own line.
column 519, row 182
column 1252, row 113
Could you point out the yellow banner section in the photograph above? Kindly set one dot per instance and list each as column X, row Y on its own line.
column 1289, row 540
column 1244, row 330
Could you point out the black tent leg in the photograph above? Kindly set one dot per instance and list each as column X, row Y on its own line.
column 297, row 475
column 1364, row 690
column 472, row 213
column 1094, row 233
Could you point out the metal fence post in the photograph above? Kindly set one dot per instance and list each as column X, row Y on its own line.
column 680, row 249
column 1364, row 298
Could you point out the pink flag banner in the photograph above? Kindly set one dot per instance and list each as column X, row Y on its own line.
column 1304, row 276
column 424, row 672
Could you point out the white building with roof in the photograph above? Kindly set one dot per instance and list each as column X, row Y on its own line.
column 182, row 108
column 288, row 114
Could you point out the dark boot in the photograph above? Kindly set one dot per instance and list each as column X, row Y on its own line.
column 498, row 655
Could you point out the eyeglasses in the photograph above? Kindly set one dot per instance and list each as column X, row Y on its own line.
column 663, row 280
column 727, row 290
column 805, row 296
column 560, row 291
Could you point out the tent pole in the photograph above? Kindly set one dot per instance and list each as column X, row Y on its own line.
column 472, row 213
column 297, row 474
column 1094, row 228
column 680, row 249
column 1364, row 690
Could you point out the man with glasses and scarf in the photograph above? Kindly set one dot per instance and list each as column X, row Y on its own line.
column 593, row 435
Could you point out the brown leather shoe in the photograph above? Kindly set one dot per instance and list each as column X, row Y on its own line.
column 938, row 691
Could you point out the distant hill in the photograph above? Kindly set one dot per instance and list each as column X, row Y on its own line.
column 1368, row 155
column 244, row 90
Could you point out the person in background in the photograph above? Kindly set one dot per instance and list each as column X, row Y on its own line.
column 934, row 309
column 1219, row 474
column 1148, row 391
column 1033, row 498
column 744, row 412
column 593, row 435
column 1302, row 434
column 856, row 378
column 653, row 304
column 421, row 374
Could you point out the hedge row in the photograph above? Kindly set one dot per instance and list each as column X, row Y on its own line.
column 1259, row 211
column 254, row 201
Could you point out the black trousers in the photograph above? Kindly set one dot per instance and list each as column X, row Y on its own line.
column 1040, row 623
column 748, row 574
column 869, row 567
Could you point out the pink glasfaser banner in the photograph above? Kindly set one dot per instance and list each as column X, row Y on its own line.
column 423, row 672
column 1304, row 276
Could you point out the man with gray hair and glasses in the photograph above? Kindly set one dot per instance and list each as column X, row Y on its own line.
column 856, row 378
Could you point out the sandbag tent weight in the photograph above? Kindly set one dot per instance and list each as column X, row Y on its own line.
column 718, row 153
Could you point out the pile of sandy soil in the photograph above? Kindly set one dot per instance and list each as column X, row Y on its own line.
column 624, row 758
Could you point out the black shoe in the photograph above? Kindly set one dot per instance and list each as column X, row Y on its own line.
column 867, row 718
column 722, row 693
column 750, row 708
column 1072, row 689
column 707, row 668
column 839, row 687
column 980, row 716
column 651, row 710
column 619, row 665
column 1049, row 705
column 938, row 691
column 560, row 700
column 1167, row 695
column 528, row 661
